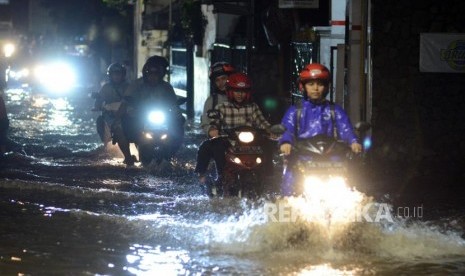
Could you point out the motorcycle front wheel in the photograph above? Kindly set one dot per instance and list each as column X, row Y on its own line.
column 145, row 154
column 251, row 185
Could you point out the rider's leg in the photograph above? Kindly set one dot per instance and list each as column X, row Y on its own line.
column 287, row 184
column 204, row 154
column 174, row 144
column 123, row 144
column 219, row 147
column 103, row 129
column 212, row 148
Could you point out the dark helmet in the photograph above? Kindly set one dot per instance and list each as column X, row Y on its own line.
column 155, row 64
column 219, row 69
column 313, row 71
column 238, row 82
column 116, row 67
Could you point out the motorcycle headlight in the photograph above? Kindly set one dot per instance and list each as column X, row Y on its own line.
column 324, row 188
column 246, row 137
column 157, row 117
column 8, row 49
column 56, row 77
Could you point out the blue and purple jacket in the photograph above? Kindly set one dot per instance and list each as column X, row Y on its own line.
column 315, row 118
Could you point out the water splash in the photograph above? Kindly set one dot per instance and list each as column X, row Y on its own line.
column 254, row 231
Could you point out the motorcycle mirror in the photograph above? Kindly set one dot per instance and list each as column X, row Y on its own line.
column 213, row 114
column 278, row 129
column 181, row 100
column 362, row 126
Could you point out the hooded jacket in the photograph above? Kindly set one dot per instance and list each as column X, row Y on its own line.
column 315, row 118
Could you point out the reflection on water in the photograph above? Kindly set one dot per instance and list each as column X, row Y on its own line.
column 48, row 123
column 148, row 260
column 16, row 96
column 326, row 269
column 56, row 115
column 39, row 102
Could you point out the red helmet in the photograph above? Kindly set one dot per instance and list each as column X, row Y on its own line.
column 238, row 82
column 313, row 71
column 219, row 69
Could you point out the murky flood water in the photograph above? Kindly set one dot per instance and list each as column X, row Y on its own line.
column 67, row 206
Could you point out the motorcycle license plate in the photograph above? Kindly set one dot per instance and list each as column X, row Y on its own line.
column 248, row 149
column 325, row 166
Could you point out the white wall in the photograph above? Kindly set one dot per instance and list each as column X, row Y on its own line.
column 202, row 63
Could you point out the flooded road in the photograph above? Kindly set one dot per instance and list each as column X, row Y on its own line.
column 70, row 207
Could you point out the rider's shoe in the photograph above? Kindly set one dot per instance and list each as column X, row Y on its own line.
column 129, row 161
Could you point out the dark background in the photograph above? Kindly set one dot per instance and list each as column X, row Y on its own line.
column 418, row 118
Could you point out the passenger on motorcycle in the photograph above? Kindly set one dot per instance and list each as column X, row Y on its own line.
column 218, row 75
column 315, row 117
column 239, row 110
column 151, row 88
column 109, row 101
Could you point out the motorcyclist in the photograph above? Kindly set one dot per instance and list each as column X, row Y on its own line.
column 316, row 116
column 218, row 75
column 109, row 100
column 239, row 110
column 152, row 88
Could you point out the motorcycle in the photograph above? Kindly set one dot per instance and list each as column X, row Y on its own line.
column 245, row 162
column 318, row 160
column 321, row 161
column 245, row 156
column 161, row 133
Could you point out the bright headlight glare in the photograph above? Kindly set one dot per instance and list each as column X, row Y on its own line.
column 246, row 137
column 258, row 160
column 8, row 49
column 237, row 160
column 164, row 136
column 148, row 136
column 157, row 117
column 324, row 188
column 24, row 72
column 56, row 77
column 328, row 198
column 312, row 183
column 337, row 182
